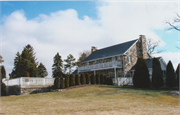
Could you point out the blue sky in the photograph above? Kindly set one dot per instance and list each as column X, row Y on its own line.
column 70, row 27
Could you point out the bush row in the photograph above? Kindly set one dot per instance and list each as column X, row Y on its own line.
column 61, row 83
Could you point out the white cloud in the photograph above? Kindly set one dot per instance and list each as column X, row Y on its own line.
column 64, row 32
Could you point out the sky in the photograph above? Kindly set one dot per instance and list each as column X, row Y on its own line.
column 70, row 27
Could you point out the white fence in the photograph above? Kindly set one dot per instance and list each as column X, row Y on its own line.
column 23, row 81
column 123, row 81
column 101, row 66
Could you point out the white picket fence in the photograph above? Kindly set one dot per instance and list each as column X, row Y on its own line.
column 24, row 81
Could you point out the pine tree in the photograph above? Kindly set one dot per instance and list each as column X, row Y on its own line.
column 141, row 74
column 25, row 62
column 67, row 81
column 62, row 84
column 170, row 75
column 97, row 79
column 87, row 78
column 42, row 70
column 70, row 63
column 3, row 72
column 16, row 70
column 57, row 66
column 77, row 79
column 93, row 79
column 71, row 80
column 57, row 82
column 83, row 79
column 177, row 75
column 157, row 74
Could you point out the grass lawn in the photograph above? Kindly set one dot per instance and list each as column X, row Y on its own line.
column 99, row 99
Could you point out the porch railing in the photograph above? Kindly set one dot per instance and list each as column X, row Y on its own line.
column 101, row 66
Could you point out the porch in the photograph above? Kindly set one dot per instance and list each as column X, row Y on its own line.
column 106, row 65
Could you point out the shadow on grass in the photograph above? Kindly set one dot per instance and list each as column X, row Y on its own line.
column 132, row 88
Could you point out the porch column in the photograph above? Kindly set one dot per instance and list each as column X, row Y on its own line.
column 94, row 72
column 115, row 75
column 123, row 67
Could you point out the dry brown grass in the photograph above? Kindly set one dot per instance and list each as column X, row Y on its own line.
column 92, row 100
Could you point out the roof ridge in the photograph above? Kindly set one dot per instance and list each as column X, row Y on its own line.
column 117, row 44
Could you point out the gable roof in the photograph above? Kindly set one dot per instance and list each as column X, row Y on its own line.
column 110, row 51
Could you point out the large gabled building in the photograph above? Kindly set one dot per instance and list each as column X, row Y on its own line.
column 117, row 60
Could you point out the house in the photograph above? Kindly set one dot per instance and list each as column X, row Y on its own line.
column 115, row 61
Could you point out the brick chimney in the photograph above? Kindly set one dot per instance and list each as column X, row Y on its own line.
column 93, row 49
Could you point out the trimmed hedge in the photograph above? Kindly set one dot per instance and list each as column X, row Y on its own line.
column 57, row 82
column 3, row 89
column 93, row 79
column 109, row 81
column 101, row 79
column 170, row 75
column 141, row 74
column 83, row 79
column 67, row 81
column 77, row 79
column 62, row 84
column 157, row 74
column 87, row 78
column 105, row 79
column 71, row 80
column 97, row 79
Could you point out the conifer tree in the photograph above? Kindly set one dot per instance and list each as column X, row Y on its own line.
column 97, row 78
column 177, row 75
column 25, row 62
column 71, row 80
column 70, row 63
column 57, row 66
column 77, row 79
column 16, row 70
column 67, row 81
column 42, row 70
column 62, row 84
column 157, row 74
column 83, row 79
column 141, row 74
column 170, row 75
column 87, row 78
column 3, row 72
column 93, row 79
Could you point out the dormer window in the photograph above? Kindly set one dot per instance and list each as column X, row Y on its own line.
column 130, row 59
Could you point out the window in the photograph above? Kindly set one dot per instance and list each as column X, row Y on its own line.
column 130, row 59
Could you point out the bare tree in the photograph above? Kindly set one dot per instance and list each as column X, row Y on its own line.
column 1, row 60
column 173, row 24
column 152, row 45
column 82, row 56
